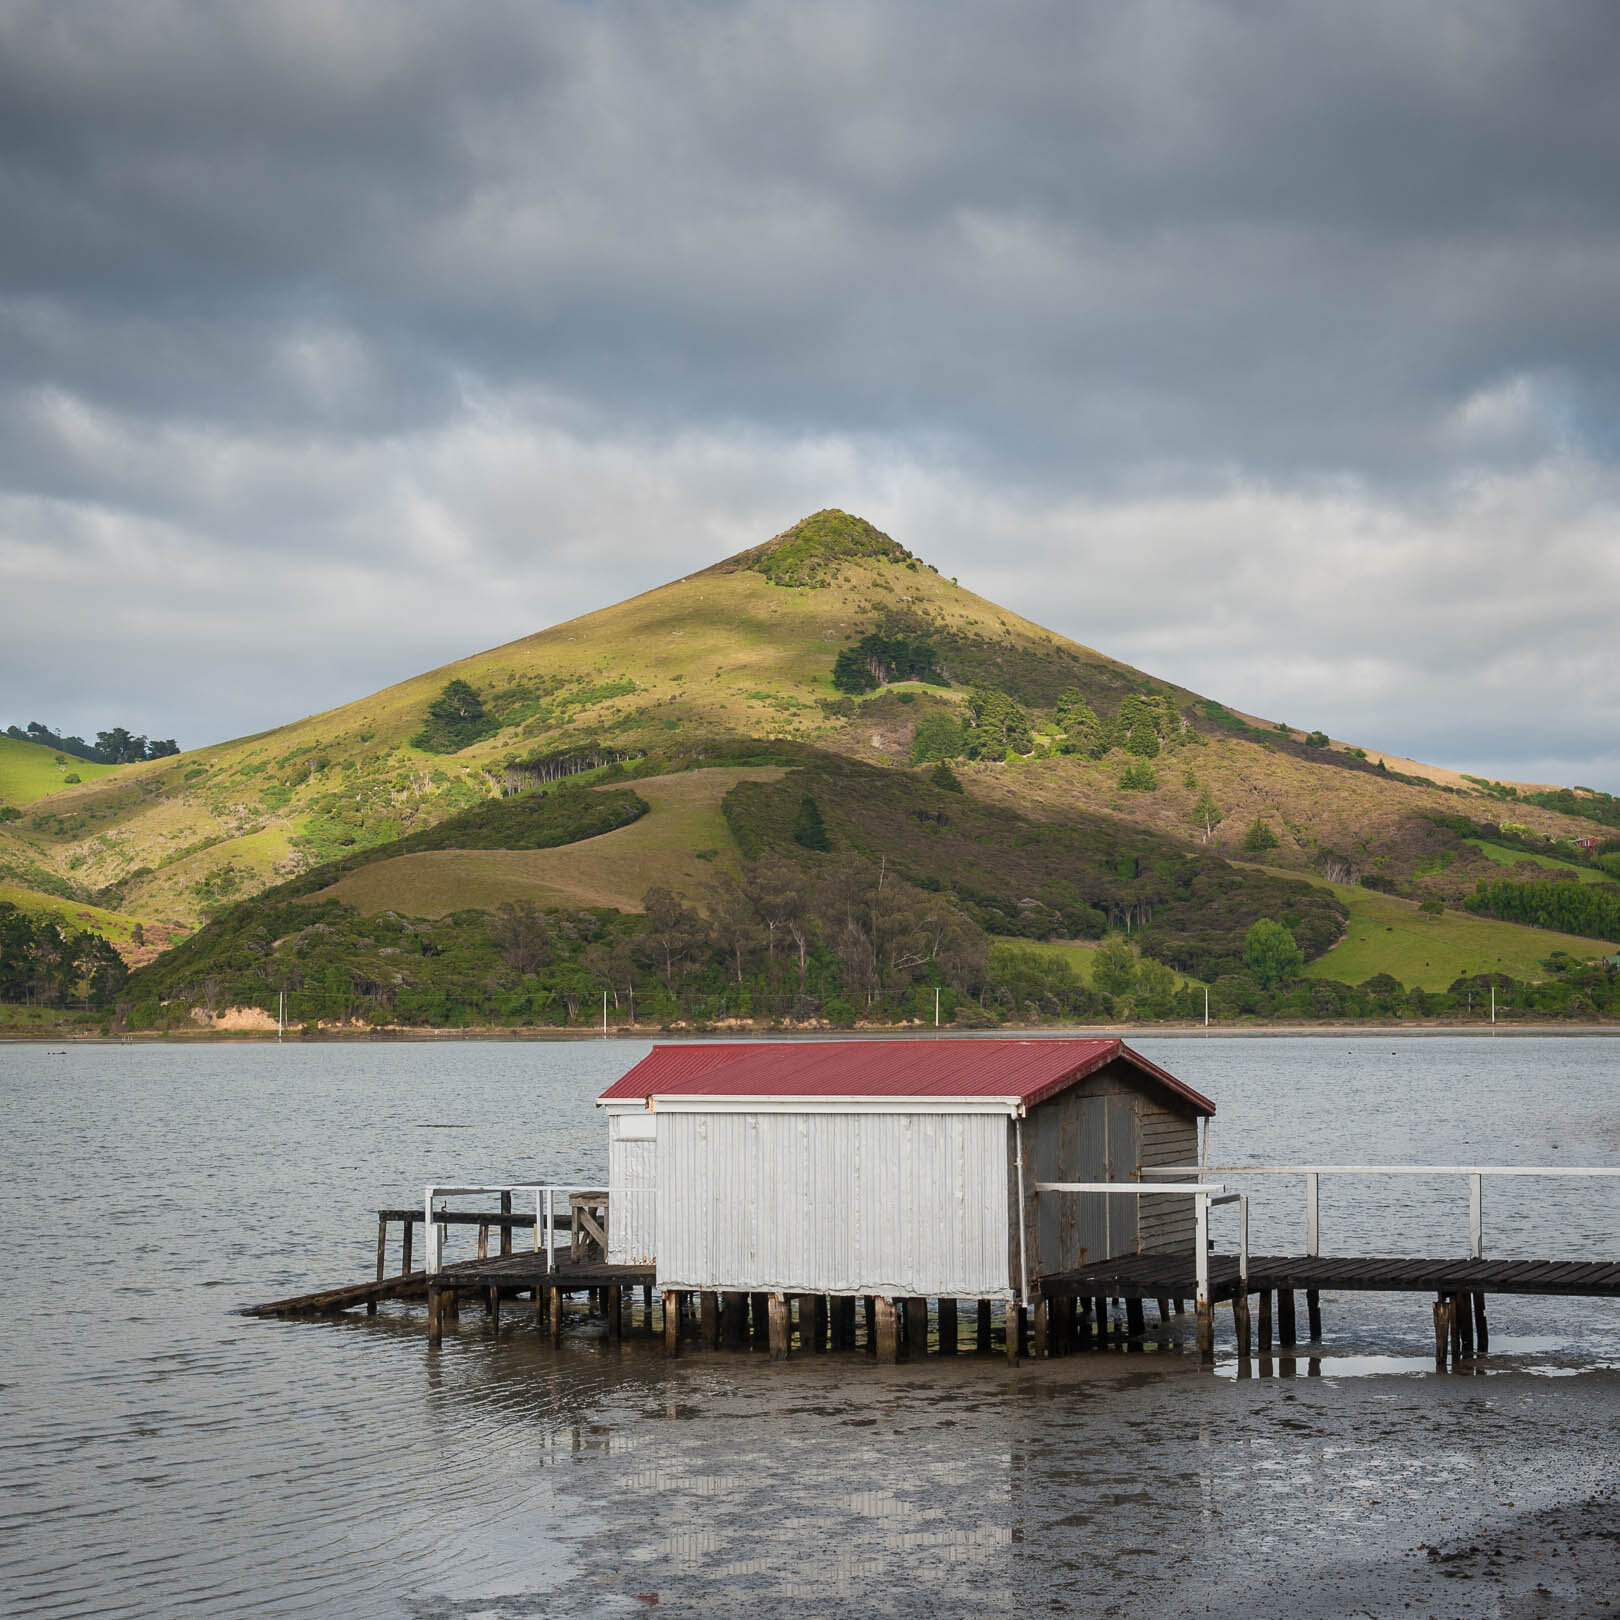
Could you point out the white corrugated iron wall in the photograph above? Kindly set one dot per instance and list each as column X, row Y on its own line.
column 858, row 1203
column 632, row 1169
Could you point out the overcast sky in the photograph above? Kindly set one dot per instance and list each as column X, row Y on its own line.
column 1273, row 348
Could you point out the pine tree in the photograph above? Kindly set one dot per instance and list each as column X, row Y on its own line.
column 808, row 827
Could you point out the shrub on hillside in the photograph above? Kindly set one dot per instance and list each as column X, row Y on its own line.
column 1259, row 837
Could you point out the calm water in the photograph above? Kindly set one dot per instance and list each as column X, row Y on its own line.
column 160, row 1455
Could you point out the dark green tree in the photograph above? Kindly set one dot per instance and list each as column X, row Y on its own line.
column 999, row 726
column 852, row 673
column 1113, row 968
column 808, row 827
column 1259, row 837
column 456, row 718
column 938, row 735
column 1077, row 720
column 1271, row 954
column 521, row 935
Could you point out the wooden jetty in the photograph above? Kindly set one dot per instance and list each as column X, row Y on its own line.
column 911, row 1198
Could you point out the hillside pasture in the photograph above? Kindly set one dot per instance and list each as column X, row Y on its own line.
column 1504, row 856
column 29, row 773
column 113, row 926
column 1389, row 935
column 665, row 848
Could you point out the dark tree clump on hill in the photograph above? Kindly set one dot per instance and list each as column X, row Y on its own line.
column 120, row 747
column 44, row 964
column 879, row 658
column 116, row 747
column 998, row 726
column 1077, row 720
column 456, row 719
column 1592, row 909
column 808, row 827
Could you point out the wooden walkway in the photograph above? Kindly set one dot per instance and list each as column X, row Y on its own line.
column 1148, row 1276
column 1068, row 1299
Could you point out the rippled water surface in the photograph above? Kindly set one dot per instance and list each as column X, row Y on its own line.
column 162, row 1455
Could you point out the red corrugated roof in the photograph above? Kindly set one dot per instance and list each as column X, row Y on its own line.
column 1027, row 1070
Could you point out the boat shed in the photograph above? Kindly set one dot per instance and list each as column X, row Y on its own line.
column 891, row 1168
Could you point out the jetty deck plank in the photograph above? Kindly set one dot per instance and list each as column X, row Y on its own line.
column 1147, row 1276
column 528, row 1269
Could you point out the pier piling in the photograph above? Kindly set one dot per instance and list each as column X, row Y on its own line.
column 887, row 1321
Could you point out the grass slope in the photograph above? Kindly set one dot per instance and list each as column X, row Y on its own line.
column 29, row 772
column 1389, row 935
column 1502, row 856
column 115, row 926
column 615, row 869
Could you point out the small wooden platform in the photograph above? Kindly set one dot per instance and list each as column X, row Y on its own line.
column 520, row 1272
column 529, row 1270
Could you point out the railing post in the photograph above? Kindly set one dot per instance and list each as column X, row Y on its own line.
column 1243, row 1244
column 1206, row 1308
column 1476, row 1216
column 538, row 1212
column 551, row 1231
column 1312, row 1213
column 435, row 1235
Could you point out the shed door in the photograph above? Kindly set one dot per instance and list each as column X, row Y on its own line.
column 1085, row 1138
column 1124, row 1157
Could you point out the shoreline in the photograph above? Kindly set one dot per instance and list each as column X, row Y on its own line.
column 403, row 1035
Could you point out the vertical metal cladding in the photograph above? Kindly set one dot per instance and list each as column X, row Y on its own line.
column 632, row 1167
column 910, row 1203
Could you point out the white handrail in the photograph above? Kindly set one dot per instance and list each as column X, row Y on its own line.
column 1384, row 1170
column 1475, row 1174
column 544, row 1213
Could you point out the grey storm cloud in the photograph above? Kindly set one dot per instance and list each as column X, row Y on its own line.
column 1272, row 347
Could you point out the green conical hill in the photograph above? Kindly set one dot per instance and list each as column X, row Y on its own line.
column 742, row 649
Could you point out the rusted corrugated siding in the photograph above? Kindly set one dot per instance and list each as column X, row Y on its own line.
column 890, row 1203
